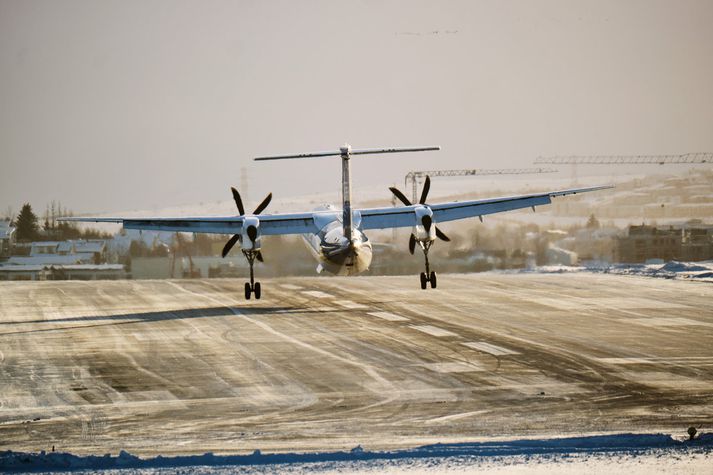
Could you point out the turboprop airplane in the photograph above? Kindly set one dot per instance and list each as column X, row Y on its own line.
column 336, row 236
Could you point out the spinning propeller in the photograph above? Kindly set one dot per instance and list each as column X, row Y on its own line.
column 426, row 221
column 251, row 231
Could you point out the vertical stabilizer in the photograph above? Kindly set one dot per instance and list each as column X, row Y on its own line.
column 346, row 192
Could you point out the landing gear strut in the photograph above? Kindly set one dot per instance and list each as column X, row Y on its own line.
column 429, row 275
column 251, row 287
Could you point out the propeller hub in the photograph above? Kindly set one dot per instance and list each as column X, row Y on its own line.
column 427, row 221
column 252, row 232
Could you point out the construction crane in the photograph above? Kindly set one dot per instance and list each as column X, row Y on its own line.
column 417, row 177
column 690, row 158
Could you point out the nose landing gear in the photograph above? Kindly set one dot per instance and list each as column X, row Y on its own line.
column 252, row 287
column 429, row 276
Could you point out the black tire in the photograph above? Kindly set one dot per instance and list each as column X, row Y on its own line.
column 256, row 289
column 433, row 280
column 248, row 290
column 424, row 280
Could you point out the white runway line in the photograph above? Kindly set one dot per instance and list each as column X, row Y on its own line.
column 392, row 317
column 667, row 322
column 489, row 348
column 324, row 309
column 453, row 417
column 350, row 305
column 623, row 360
column 452, row 367
column 697, row 360
column 316, row 293
column 431, row 330
column 291, row 287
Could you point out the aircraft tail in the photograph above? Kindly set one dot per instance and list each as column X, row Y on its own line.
column 345, row 152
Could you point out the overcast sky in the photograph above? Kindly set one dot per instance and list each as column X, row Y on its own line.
column 114, row 105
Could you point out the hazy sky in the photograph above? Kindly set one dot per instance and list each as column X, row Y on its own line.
column 113, row 105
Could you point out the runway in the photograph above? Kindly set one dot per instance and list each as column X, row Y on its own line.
column 189, row 366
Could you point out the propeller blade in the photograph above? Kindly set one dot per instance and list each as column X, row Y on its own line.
column 259, row 256
column 229, row 245
column 424, row 192
column 400, row 196
column 238, row 201
column 411, row 244
column 261, row 207
column 441, row 235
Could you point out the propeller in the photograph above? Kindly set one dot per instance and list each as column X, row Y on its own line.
column 251, row 231
column 426, row 220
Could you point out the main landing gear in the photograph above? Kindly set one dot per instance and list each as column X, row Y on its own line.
column 252, row 287
column 429, row 275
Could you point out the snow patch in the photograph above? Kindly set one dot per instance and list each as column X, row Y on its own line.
column 618, row 444
column 698, row 271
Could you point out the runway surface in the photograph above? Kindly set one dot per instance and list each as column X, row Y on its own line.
column 189, row 366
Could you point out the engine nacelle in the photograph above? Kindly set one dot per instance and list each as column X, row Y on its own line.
column 425, row 229
column 250, row 236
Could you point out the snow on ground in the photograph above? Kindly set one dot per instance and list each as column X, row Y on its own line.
column 694, row 271
column 619, row 453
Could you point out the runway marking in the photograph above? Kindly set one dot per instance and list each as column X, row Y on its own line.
column 683, row 360
column 667, row 379
column 623, row 303
column 452, row 367
column 323, row 308
column 453, row 417
column 667, row 322
column 351, row 305
column 489, row 348
column 392, row 317
column 624, row 360
column 431, row 330
column 291, row 287
column 316, row 293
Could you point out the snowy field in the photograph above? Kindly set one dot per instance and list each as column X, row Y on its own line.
column 622, row 453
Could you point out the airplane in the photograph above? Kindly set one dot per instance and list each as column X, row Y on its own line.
column 336, row 236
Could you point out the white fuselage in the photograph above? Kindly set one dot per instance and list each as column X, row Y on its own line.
column 334, row 252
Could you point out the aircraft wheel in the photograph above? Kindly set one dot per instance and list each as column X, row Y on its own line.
column 424, row 280
column 433, row 280
column 248, row 290
column 256, row 289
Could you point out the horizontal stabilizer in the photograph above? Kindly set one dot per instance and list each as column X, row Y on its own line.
column 347, row 150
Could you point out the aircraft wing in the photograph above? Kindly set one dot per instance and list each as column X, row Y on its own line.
column 296, row 223
column 381, row 218
column 303, row 223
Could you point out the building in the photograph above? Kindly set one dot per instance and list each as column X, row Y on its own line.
column 7, row 238
column 92, row 251
column 643, row 243
column 62, row 260
column 689, row 242
column 696, row 242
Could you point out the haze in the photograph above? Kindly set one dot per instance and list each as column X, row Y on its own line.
column 116, row 105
